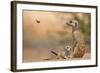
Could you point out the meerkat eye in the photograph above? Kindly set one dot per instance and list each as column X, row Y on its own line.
column 70, row 21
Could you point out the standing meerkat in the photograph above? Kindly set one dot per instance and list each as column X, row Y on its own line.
column 79, row 46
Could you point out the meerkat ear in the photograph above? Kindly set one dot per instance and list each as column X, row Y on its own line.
column 77, row 24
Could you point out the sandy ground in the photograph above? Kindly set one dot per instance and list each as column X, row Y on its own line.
column 37, row 55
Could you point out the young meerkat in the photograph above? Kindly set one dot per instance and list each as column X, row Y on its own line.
column 79, row 46
column 64, row 54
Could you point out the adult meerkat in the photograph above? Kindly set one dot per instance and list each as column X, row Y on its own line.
column 79, row 46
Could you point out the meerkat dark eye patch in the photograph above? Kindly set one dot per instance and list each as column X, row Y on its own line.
column 70, row 21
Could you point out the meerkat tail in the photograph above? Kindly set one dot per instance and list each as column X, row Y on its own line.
column 54, row 53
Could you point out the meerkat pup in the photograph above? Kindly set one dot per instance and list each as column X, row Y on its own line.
column 79, row 46
column 64, row 54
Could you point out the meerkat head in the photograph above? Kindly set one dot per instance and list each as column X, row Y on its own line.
column 73, row 23
column 68, row 48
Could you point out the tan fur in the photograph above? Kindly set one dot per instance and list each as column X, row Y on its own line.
column 78, row 46
column 79, row 50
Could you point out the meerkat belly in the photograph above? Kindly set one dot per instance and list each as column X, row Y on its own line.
column 79, row 49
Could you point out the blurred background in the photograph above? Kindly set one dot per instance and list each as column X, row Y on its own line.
column 44, row 31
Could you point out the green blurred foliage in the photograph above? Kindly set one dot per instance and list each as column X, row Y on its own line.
column 85, row 24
